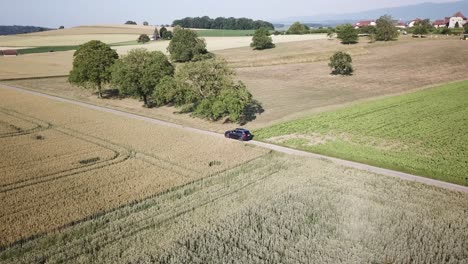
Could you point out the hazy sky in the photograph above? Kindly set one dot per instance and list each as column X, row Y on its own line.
column 53, row 13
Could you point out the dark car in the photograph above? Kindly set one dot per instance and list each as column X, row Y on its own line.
column 239, row 134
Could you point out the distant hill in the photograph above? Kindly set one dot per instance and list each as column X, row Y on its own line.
column 425, row 10
column 13, row 30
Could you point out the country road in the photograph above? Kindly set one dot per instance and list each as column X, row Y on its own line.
column 356, row 165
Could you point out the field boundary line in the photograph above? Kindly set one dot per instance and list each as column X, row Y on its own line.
column 33, row 78
column 290, row 151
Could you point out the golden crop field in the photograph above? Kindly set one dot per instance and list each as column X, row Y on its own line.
column 36, row 65
column 275, row 209
column 66, row 163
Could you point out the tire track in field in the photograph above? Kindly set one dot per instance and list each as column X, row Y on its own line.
column 289, row 151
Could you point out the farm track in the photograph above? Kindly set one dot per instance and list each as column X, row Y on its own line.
column 290, row 151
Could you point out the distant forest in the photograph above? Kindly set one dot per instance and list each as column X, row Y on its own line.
column 222, row 23
column 13, row 30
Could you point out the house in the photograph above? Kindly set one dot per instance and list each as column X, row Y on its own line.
column 10, row 53
column 441, row 23
column 413, row 22
column 451, row 22
column 400, row 24
column 364, row 23
column 456, row 18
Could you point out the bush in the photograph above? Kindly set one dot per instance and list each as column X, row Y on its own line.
column 262, row 40
column 422, row 27
column 130, row 22
column 145, row 23
column 341, row 63
column 143, row 38
column 347, row 34
column 386, row 30
column 185, row 45
column 167, row 35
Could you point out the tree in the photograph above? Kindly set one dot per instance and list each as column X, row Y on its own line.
column 262, row 40
column 145, row 23
column 168, row 35
column 386, row 30
column 207, row 89
column 422, row 27
column 143, row 38
column 330, row 33
column 371, row 30
column 156, row 33
column 61, row 27
column 162, row 31
column 130, row 22
column 341, row 63
column 185, row 45
column 347, row 33
column 91, row 65
column 297, row 29
column 140, row 71
column 466, row 28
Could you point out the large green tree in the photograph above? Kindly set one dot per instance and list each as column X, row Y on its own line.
column 298, row 29
column 185, row 45
column 140, row 71
column 347, row 34
column 162, row 31
column 386, row 29
column 262, row 40
column 91, row 65
column 466, row 28
column 207, row 89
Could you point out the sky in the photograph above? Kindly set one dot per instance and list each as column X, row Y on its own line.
column 55, row 13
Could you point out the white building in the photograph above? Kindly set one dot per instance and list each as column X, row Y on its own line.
column 457, row 18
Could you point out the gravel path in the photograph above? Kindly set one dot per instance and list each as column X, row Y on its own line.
column 359, row 166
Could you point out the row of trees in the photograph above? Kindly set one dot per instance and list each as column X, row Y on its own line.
column 385, row 30
column 222, row 23
column 202, row 84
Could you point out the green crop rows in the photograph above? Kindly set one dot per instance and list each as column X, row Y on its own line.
column 424, row 133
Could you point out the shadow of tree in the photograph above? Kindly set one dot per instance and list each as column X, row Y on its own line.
column 251, row 111
column 111, row 94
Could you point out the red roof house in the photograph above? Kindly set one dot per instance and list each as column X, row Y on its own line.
column 365, row 23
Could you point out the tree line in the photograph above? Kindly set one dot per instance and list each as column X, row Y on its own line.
column 202, row 85
column 222, row 23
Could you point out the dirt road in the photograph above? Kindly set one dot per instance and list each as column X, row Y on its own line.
column 359, row 166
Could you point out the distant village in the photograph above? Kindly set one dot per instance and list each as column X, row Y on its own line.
column 455, row 21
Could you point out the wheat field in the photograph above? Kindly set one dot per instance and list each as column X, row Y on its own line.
column 71, row 163
column 275, row 209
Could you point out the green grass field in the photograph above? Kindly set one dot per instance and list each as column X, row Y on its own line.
column 224, row 33
column 47, row 49
column 423, row 133
column 44, row 49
